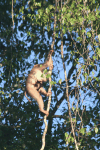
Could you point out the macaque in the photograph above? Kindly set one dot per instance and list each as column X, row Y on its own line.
column 34, row 82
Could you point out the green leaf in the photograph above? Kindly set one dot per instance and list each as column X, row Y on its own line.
column 45, row 71
column 60, row 81
column 94, row 57
column 98, row 51
column 66, row 135
column 89, row 78
column 92, row 73
column 38, row 4
column 93, row 1
column 83, row 31
column 88, row 34
column 1, row 92
column 64, row 30
column 99, row 37
column 48, row 75
column 72, row 139
column 64, row 9
column 52, row 82
column 89, row 133
column 47, row 10
column 51, row 7
column 96, row 130
column 82, row 131
column 73, row 108
column 73, row 119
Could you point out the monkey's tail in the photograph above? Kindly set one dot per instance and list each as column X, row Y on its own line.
column 27, row 97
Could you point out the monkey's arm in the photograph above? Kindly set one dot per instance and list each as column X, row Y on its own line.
column 43, row 91
column 39, row 67
column 48, row 62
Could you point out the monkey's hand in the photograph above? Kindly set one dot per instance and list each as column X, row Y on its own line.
column 51, row 51
column 49, row 93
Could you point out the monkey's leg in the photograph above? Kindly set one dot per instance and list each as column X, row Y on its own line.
column 35, row 95
column 43, row 91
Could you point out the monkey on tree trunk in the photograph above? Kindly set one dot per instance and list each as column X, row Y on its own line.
column 34, row 82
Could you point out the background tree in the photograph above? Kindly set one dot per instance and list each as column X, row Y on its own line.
column 76, row 73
